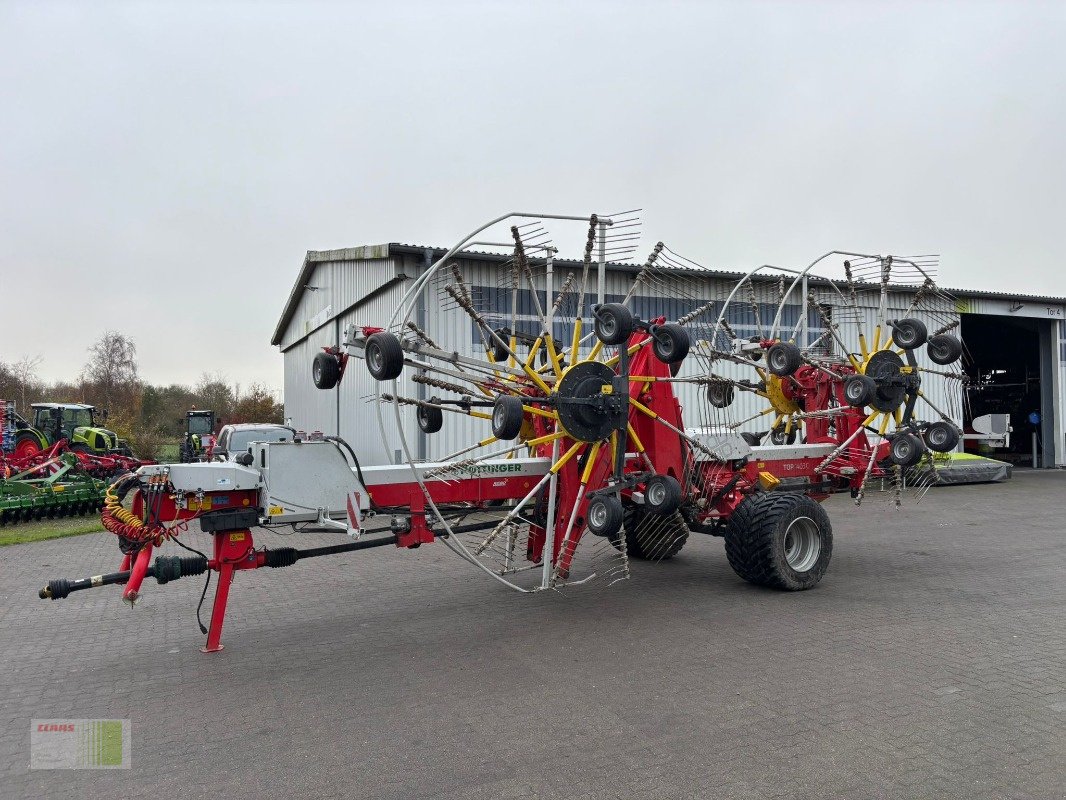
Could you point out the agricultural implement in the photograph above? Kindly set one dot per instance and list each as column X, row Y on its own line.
column 58, row 481
column 56, row 487
column 580, row 459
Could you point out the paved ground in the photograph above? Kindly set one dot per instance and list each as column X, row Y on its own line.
column 931, row 662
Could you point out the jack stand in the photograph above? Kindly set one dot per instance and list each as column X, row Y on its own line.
column 234, row 550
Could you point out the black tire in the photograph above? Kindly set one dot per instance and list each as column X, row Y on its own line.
column 384, row 356
column 941, row 437
column 325, row 370
column 859, row 390
column 604, row 515
column 906, row 449
column 430, row 419
column 944, row 349
column 779, row 437
column 909, row 333
column 783, row 359
column 650, row 537
column 614, row 323
column 780, row 540
column 507, row 417
column 670, row 343
column 720, row 394
column 81, row 448
column 752, row 439
column 496, row 349
column 662, row 495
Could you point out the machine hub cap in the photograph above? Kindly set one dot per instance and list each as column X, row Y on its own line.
column 803, row 545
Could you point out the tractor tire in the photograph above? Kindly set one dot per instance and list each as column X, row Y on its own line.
column 941, row 437
column 81, row 448
column 650, row 537
column 430, row 420
column 26, row 444
column 507, row 417
column 614, row 323
column 783, row 359
column 384, row 356
column 779, row 540
column 496, row 349
column 670, row 343
column 859, row 390
column 944, row 349
column 662, row 495
column 720, row 394
column 909, row 333
column 325, row 370
column 906, row 449
column 604, row 515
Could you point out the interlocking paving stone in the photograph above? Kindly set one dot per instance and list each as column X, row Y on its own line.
column 930, row 662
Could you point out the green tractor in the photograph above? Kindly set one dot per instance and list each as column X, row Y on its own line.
column 199, row 428
column 74, row 422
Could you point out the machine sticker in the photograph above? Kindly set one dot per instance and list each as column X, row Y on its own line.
column 223, row 481
column 483, row 469
column 237, row 537
column 275, row 510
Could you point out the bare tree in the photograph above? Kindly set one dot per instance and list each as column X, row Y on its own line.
column 25, row 374
column 214, row 393
column 111, row 372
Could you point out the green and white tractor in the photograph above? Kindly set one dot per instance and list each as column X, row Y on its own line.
column 75, row 422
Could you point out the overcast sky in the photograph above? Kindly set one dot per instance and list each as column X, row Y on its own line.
column 164, row 168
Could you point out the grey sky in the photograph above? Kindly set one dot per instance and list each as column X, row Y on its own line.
column 164, row 167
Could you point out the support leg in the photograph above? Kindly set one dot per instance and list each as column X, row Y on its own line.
column 218, row 610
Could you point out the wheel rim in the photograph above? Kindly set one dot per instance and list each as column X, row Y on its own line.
column 666, row 347
column 598, row 516
column 316, row 373
column 26, row 448
column 374, row 357
column 902, row 449
column 803, row 545
column 608, row 326
column 497, row 416
column 656, row 494
column 777, row 360
column 938, row 437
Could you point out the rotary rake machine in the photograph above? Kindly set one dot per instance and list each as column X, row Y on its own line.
column 842, row 362
column 558, row 449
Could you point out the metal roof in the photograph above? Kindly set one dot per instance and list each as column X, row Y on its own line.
column 384, row 251
column 76, row 406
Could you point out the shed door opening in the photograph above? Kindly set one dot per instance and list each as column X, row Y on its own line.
column 1008, row 361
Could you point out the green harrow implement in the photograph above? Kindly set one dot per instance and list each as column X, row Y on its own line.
column 66, row 492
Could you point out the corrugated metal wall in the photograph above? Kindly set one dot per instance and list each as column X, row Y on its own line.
column 340, row 284
column 352, row 279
